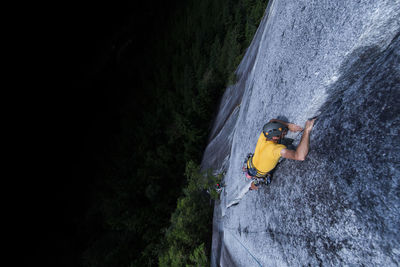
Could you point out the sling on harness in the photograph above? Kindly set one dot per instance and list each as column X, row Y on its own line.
column 256, row 175
column 252, row 170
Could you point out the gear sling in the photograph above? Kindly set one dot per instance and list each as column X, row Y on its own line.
column 252, row 170
column 257, row 176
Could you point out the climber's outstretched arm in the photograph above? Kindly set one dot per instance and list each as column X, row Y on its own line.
column 291, row 126
column 302, row 150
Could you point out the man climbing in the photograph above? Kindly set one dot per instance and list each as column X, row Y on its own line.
column 269, row 149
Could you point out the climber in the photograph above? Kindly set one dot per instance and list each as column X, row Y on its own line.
column 269, row 149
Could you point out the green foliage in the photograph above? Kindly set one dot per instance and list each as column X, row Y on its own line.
column 191, row 224
column 199, row 257
column 153, row 170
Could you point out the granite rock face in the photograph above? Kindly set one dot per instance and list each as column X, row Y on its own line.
column 339, row 60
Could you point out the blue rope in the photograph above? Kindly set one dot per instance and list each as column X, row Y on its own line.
column 245, row 248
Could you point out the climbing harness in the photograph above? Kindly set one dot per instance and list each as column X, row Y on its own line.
column 254, row 174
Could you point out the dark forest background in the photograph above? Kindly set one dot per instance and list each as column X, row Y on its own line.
column 128, row 94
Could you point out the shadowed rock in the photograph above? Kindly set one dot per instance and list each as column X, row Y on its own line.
column 341, row 206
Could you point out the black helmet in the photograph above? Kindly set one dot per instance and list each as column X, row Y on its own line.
column 272, row 129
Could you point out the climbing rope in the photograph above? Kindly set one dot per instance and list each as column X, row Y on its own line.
column 248, row 251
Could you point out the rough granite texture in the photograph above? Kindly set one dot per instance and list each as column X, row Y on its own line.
column 341, row 206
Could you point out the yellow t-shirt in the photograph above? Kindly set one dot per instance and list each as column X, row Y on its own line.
column 266, row 154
